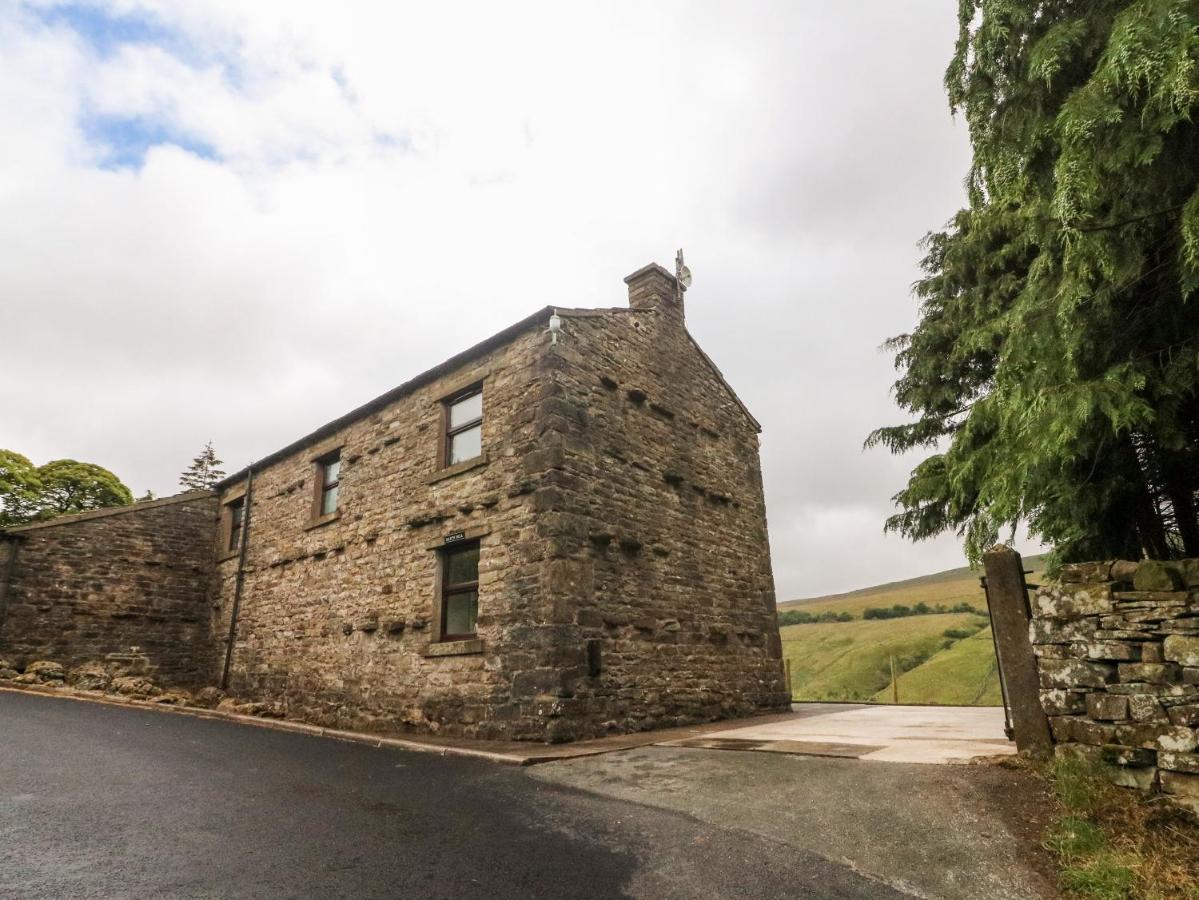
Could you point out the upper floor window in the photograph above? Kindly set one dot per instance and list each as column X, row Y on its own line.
column 464, row 427
column 459, row 591
column 328, row 480
column 235, row 512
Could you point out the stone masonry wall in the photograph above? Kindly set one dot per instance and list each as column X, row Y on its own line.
column 125, row 586
column 337, row 619
column 663, row 560
column 1117, row 648
column 624, row 573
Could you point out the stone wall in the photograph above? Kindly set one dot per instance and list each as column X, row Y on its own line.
column 125, row 586
column 1117, row 648
column 662, row 555
column 624, row 573
column 337, row 619
column 624, row 578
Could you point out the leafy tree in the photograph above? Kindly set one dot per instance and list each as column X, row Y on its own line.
column 1054, row 372
column 68, row 486
column 204, row 472
column 19, row 488
column 802, row 617
column 29, row 493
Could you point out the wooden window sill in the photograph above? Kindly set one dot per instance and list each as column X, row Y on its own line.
column 323, row 520
column 454, row 648
column 458, row 468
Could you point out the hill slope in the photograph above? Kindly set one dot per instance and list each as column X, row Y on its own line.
column 948, row 587
column 964, row 674
column 852, row 660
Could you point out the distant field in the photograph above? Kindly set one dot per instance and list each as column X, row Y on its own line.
column 852, row 660
column 965, row 674
column 949, row 587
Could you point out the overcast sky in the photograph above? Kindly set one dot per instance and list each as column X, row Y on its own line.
column 236, row 221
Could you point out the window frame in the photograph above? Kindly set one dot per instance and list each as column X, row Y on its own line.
column 235, row 525
column 445, row 590
column 448, row 433
column 320, row 486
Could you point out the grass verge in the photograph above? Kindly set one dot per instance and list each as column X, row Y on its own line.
column 1113, row 843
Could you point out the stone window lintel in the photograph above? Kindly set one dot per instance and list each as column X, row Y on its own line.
column 317, row 452
column 234, row 493
column 468, row 534
column 460, row 385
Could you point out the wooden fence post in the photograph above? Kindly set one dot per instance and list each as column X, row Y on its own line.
column 1007, row 602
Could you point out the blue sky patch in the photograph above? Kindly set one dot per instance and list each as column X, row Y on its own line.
column 124, row 140
column 106, row 31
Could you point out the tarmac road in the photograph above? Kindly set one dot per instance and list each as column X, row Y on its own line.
column 105, row 801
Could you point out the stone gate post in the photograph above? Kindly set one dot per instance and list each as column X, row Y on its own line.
column 1007, row 602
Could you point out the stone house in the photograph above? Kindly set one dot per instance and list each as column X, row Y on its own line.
column 557, row 534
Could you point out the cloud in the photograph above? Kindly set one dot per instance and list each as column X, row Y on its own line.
column 237, row 221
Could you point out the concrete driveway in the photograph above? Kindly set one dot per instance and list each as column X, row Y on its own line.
column 911, row 734
column 953, row 832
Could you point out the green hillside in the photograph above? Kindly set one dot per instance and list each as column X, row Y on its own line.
column 964, row 674
column 852, row 660
column 949, row 587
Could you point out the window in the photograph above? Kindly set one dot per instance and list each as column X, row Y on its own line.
column 235, row 512
column 464, row 427
column 328, row 479
column 459, row 591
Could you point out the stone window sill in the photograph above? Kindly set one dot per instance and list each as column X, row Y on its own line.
column 457, row 469
column 323, row 520
column 454, row 648
column 228, row 555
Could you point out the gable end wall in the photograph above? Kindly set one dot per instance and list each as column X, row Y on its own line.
column 668, row 576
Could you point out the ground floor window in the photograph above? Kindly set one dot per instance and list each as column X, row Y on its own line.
column 459, row 591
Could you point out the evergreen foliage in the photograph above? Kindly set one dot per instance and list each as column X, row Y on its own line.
column 204, row 472
column 1054, row 372
column 31, row 493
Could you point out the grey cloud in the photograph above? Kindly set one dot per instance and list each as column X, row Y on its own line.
column 796, row 151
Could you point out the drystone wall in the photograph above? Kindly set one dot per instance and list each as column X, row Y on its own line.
column 125, row 588
column 1117, row 646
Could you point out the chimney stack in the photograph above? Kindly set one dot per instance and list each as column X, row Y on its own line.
column 652, row 287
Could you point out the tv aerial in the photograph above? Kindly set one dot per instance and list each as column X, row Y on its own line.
column 681, row 273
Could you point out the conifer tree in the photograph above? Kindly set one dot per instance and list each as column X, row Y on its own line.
column 1054, row 372
column 204, row 472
